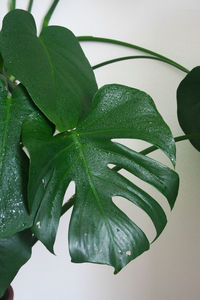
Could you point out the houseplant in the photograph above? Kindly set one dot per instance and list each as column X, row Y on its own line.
column 21, row 90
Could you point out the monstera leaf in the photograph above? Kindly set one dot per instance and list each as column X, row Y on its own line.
column 100, row 232
column 13, row 162
column 52, row 67
column 188, row 103
column 15, row 251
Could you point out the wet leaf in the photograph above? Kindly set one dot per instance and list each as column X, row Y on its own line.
column 99, row 231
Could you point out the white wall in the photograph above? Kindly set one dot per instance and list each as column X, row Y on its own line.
column 171, row 269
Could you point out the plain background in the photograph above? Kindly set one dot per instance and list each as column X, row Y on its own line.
column 171, row 269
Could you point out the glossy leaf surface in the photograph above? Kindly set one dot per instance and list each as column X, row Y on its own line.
column 99, row 231
column 53, row 68
column 13, row 163
column 188, row 104
column 15, row 251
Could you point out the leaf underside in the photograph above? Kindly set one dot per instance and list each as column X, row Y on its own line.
column 188, row 105
column 99, row 231
column 61, row 82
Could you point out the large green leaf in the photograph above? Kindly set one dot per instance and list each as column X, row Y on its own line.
column 53, row 68
column 15, row 251
column 13, row 162
column 100, row 232
column 188, row 104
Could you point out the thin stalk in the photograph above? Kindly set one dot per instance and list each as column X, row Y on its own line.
column 12, row 5
column 49, row 14
column 177, row 139
column 126, row 58
column 68, row 205
column 117, row 42
column 30, row 6
column 146, row 151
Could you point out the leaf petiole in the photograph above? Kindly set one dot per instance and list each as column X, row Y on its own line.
column 117, row 42
column 127, row 58
column 49, row 14
column 68, row 205
column 30, row 5
column 12, row 5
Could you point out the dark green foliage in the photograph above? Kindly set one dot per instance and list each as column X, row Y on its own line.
column 61, row 81
column 99, row 231
column 188, row 102
column 57, row 85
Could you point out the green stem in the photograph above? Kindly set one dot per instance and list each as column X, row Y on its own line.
column 30, row 5
column 177, row 139
column 146, row 151
column 68, row 205
column 116, row 42
column 49, row 14
column 12, row 4
column 126, row 58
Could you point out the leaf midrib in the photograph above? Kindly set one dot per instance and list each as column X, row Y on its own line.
column 49, row 60
column 91, row 183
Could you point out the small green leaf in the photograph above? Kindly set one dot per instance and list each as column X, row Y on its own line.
column 99, row 231
column 188, row 105
column 15, row 251
column 53, row 68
